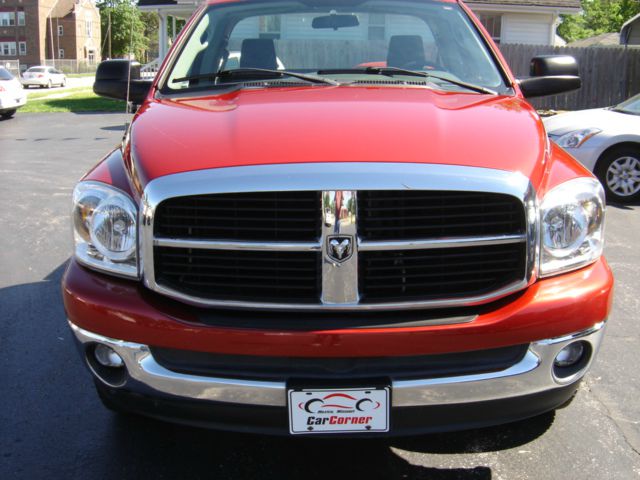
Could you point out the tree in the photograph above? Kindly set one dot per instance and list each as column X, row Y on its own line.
column 597, row 17
column 151, row 22
column 127, row 33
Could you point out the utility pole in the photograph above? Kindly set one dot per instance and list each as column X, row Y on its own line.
column 109, row 34
column 53, row 55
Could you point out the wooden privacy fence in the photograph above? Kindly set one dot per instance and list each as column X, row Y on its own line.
column 609, row 74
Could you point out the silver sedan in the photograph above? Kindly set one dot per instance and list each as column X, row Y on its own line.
column 606, row 141
column 43, row 76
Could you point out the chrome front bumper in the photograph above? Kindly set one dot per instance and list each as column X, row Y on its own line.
column 533, row 374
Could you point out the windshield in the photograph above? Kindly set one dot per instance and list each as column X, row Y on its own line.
column 347, row 42
column 632, row 106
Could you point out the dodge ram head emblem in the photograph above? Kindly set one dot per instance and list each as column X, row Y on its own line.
column 339, row 248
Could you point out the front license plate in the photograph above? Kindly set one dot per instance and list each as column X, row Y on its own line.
column 345, row 410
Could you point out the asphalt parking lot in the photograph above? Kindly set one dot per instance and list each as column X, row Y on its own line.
column 53, row 426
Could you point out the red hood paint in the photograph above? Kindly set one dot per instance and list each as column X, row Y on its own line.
column 336, row 124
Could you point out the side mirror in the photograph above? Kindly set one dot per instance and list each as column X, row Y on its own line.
column 112, row 77
column 550, row 75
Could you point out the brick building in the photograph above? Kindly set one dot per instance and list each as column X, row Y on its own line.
column 33, row 31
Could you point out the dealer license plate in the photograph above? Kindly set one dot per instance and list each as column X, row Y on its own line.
column 346, row 410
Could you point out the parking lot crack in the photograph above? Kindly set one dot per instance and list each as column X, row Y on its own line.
column 614, row 418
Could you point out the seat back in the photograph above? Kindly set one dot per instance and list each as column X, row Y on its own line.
column 406, row 51
column 258, row 53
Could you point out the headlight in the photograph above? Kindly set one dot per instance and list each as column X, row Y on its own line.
column 577, row 138
column 572, row 224
column 105, row 229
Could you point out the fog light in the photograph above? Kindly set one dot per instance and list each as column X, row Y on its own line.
column 569, row 355
column 107, row 357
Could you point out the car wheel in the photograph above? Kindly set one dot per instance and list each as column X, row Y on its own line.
column 64, row 82
column 619, row 173
column 8, row 114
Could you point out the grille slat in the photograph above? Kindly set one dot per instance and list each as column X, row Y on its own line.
column 198, row 274
column 261, row 216
column 410, row 215
column 429, row 273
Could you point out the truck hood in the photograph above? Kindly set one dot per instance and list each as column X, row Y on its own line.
column 335, row 124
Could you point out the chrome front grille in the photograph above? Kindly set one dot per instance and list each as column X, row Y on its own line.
column 399, row 237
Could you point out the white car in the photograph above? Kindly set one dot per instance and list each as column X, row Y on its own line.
column 606, row 141
column 12, row 95
column 42, row 76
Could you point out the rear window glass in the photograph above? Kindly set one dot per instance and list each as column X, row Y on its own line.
column 36, row 69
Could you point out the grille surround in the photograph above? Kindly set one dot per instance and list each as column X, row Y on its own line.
column 341, row 176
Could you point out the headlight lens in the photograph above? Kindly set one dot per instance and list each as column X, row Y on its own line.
column 572, row 219
column 105, row 229
column 577, row 138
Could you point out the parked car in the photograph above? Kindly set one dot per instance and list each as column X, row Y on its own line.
column 43, row 76
column 12, row 96
column 607, row 142
column 333, row 249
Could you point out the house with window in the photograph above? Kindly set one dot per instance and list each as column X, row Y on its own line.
column 507, row 21
column 35, row 32
column 630, row 33
column 531, row 22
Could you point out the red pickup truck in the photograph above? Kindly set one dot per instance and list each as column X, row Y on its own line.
column 358, row 226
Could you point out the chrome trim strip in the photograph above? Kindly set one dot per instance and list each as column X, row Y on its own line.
column 144, row 373
column 534, row 373
column 237, row 245
column 364, row 245
column 328, row 177
column 340, row 251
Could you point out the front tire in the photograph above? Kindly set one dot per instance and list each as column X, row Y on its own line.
column 8, row 114
column 619, row 172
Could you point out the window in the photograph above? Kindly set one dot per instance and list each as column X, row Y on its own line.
column 22, row 48
column 21, row 18
column 61, row 53
column 60, row 30
column 8, row 49
column 376, row 26
column 270, row 27
column 91, row 56
column 493, row 24
column 7, row 19
column 89, row 25
column 220, row 34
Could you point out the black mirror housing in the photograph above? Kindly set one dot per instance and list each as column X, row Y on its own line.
column 542, row 86
column 112, row 77
column 551, row 75
column 554, row 65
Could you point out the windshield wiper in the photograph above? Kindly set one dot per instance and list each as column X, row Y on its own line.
column 391, row 71
column 256, row 72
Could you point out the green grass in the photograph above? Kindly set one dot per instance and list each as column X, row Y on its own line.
column 36, row 94
column 80, row 75
column 78, row 100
